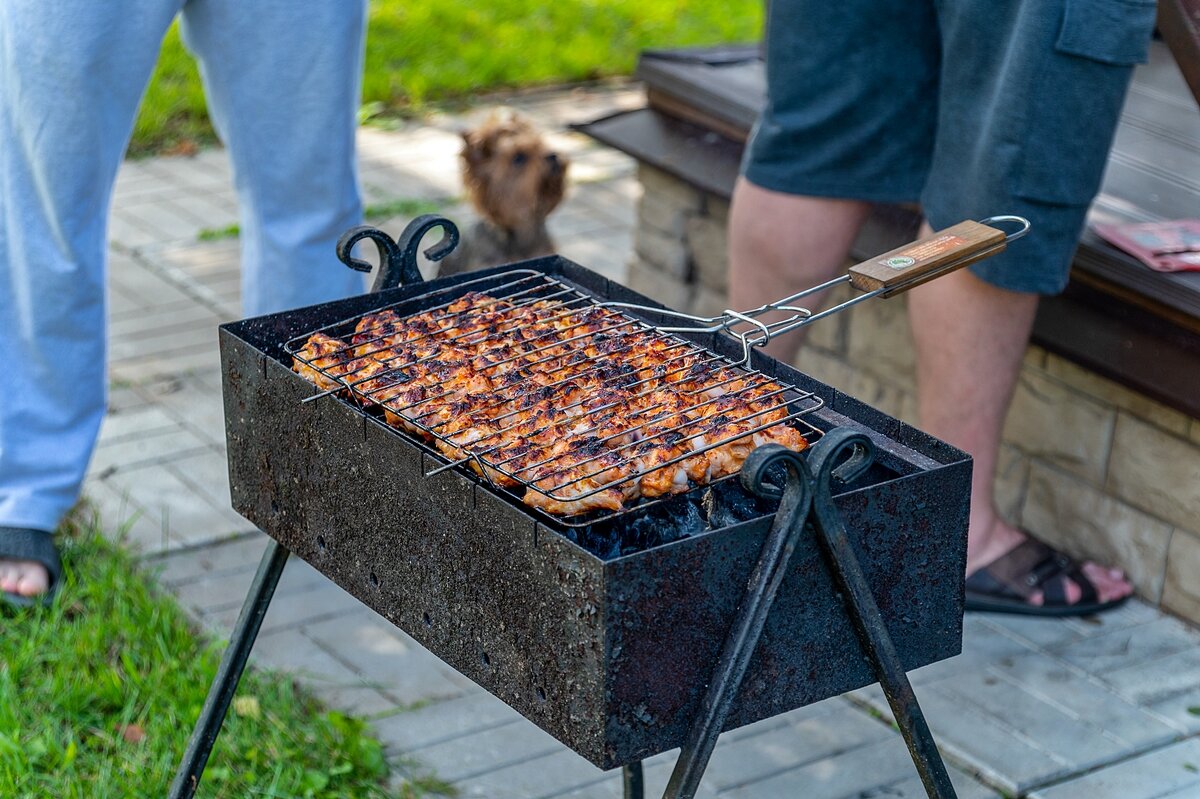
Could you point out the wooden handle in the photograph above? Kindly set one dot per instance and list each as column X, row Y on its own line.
column 922, row 261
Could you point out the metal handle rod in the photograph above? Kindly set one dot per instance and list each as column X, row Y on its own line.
column 754, row 338
column 744, row 634
column 722, row 322
column 233, row 663
column 760, row 333
column 632, row 781
column 872, row 631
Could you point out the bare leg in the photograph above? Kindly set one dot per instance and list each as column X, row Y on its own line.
column 970, row 338
column 782, row 243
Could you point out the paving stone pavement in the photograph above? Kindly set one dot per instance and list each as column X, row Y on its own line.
column 1098, row 708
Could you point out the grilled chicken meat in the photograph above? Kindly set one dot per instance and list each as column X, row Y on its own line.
column 327, row 362
column 582, row 405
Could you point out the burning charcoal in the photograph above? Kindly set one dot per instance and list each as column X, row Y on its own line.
column 602, row 540
column 727, row 503
column 662, row 524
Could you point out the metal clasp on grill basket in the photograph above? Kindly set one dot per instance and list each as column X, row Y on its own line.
column 582, row 359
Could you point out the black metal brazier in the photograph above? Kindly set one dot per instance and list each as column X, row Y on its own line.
column 610, row 654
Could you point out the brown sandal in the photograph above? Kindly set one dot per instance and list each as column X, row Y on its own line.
column 1005, row 584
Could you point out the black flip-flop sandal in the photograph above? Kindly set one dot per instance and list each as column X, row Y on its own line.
column 1005, row 584
column 17, row 543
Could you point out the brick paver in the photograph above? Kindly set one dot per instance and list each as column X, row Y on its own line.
column 1048, row 709
column 1172, row 772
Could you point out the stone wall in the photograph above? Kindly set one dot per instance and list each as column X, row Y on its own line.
column 1087, row 464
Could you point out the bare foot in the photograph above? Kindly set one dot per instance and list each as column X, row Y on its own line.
column 23, row 577
column 1110, row 585
column 1000, row 538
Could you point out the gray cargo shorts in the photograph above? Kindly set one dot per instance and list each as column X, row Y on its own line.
column 970, row 108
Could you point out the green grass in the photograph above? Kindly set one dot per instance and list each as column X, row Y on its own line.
column 99, row 693
column 173, row 116
column 371, row 212
column 219, row 233
column 405, row 206
column 422, row 51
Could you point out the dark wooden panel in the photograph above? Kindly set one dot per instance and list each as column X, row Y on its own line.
column 672, row 106
column 1124, row 343
column 1179, row 22
column 697, row 156
column 1161, row 111
column 1153, row 173
column 727, row 84
column 1157, row 196
column 1176, row 293
column 1158, row 157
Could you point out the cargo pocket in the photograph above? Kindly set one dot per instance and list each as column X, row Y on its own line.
column 1076, row 99
column 1108, row 31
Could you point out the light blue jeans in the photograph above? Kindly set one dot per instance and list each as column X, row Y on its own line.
column 282, row 79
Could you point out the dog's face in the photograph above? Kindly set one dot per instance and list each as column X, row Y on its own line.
column 512, row 176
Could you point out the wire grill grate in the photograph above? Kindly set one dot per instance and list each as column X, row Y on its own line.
column 536, row 384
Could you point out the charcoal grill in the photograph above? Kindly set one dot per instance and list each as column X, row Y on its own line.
column 604, row 631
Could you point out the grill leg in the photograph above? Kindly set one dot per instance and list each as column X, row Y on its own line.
column 747, row 627
column 860, row 602
column 807, row 489
column 631, row 775
column 233, row 663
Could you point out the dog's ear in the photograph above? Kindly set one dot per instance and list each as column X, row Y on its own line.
column 476, row 148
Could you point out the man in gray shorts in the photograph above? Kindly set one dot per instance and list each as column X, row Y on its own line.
column 971, row 109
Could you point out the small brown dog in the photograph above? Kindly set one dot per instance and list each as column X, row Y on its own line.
column 514, row 180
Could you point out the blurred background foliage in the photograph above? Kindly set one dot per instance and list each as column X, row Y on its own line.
column 421, row 52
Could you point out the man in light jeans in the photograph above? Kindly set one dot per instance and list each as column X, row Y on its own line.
column 282, row 81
